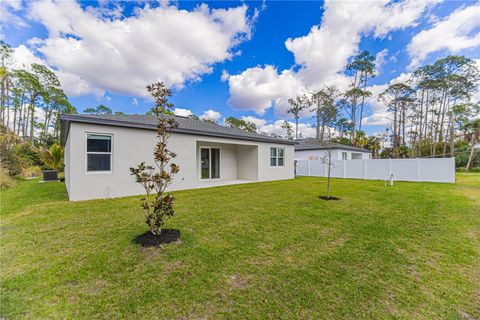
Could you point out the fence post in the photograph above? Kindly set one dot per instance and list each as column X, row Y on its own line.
column 389, row 167
column 308, row 167
column 344, row 169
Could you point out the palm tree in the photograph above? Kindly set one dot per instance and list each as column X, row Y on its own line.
column 53, row 157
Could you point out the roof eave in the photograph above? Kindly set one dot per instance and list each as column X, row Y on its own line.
column 72, row 118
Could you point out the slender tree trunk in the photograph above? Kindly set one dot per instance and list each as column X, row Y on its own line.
column 14, row 117
column 426, row 117
column 472, row 150
column 322, row 131
column 445, row 143
column 25, row 122
column 354, row 114
column 7, row 101
column 452, row 134
column 403, row 125
column 363, row 101
column 19, row 118
column 420, row 120
column 438, row 129
column 395, row 140
column 32, row 121
column 296, row 127
column 318, row 119
column 444, row 109
column 2, row 101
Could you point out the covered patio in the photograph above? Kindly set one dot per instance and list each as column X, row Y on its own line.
column 220, row 163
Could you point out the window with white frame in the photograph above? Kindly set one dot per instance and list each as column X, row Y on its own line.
column 277, row 157
column 344, row 156
column 99, row 152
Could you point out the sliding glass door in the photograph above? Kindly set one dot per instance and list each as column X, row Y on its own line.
column 209, row 163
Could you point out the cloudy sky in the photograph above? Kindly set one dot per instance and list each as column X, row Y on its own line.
column 243, row 59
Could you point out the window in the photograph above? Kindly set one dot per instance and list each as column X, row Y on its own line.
column 344, row 156
column 277, row 157
column 209, row 163
column 99, row 152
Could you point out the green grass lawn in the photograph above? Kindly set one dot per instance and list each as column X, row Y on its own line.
column 255, row 251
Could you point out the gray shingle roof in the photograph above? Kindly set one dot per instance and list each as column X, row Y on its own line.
column 314, row 144
column 186, row 125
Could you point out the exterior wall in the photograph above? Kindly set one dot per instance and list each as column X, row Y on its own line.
column 247, row 162
column 336, row 154
column 66, row 170
column 132, row 146
column 266, row 172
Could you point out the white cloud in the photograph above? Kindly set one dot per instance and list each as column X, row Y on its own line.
column 211, row 115
column 259, row 88
column 9, row 16
column 304, row 129
column 323, row 53
column 458, row 31
column 182, row 112
column 135, row 102
column 380, row 60
column 122, row 55
column 275, row 127
column 225, row 75
column 257, row 121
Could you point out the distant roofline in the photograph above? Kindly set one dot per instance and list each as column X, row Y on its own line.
column 67, row 118
column 317, row 145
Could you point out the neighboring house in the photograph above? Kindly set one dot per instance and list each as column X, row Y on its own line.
column 312, row 149
column 100, row 149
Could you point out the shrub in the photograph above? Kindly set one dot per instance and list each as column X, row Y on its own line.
column 461, row 157
column 31, row 172
column 5, row 180
column 17, row 154
column 53, row 157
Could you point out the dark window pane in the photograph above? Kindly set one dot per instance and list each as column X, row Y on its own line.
column 280, row 152
column 280, row 162
column 215, row 163
column 205, row 163
column 98, row 162
column 273, row 152
column 99, row 143
column 273, row 162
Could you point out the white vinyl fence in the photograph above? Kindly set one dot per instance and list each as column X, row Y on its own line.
column 431, row 170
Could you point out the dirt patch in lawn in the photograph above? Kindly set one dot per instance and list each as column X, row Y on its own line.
column 148, row 239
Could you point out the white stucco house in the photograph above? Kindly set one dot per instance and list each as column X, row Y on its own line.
column 100, row 149
column 313, row 149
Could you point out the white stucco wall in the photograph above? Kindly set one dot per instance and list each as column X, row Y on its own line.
column 239, row 159
column 247, row 162
column 336, row 154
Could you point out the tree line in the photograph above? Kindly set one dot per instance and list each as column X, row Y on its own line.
column 431, row 113
column 31, row 100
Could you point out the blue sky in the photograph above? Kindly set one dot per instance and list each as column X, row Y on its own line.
column 233, row 58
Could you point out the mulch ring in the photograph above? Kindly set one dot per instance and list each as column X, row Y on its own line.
column 148, row 239
column 330, row 198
